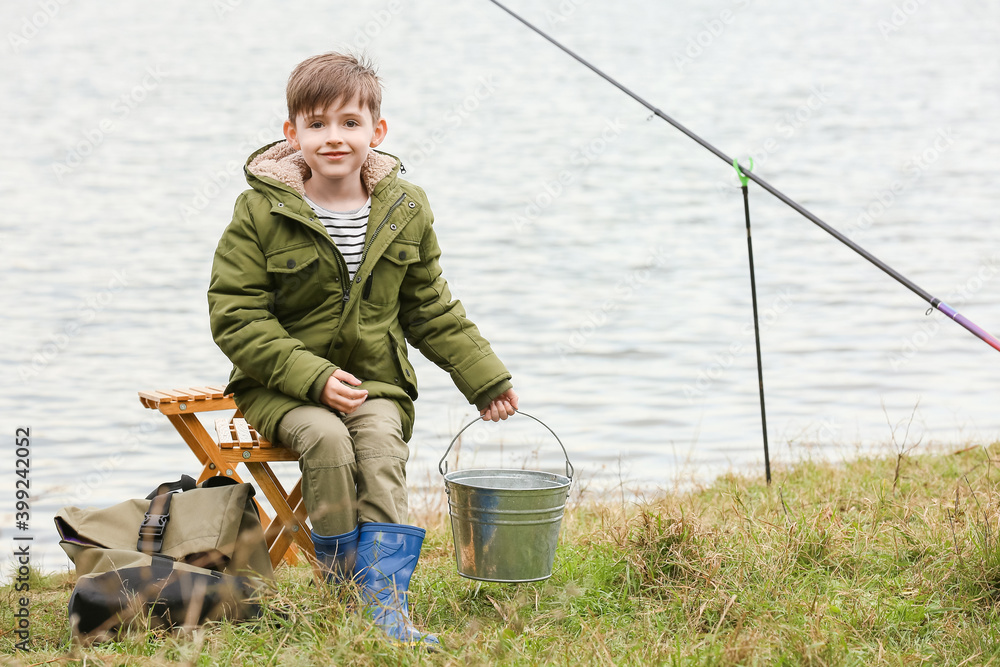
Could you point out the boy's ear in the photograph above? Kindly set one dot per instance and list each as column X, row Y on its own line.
column 379, row 135
column 289, row 130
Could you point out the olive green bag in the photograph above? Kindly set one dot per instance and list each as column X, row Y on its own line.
column 184, row 555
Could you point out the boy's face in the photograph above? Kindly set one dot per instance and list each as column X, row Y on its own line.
column 335, row 141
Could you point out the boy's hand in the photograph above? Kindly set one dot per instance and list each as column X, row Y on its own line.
column 503, row 406
column 342, row 397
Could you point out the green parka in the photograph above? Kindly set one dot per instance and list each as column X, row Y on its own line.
column 284, row 311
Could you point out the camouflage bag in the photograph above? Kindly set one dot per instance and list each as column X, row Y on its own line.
column 184, row 555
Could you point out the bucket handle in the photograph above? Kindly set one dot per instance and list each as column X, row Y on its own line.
column 443, row 465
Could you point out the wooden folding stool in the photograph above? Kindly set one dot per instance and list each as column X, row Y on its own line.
column 239, row 443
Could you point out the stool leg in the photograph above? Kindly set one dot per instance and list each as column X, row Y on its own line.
column 274, row 492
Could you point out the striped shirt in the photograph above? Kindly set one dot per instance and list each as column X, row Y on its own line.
column 347, row 229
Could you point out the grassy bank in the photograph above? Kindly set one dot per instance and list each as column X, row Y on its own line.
column 869, row 562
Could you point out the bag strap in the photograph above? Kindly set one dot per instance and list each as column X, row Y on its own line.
column 220, row 480
column 185, row 483
column 154, row 524
column 161, row 565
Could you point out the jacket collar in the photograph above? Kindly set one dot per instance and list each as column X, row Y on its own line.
column 281, row 162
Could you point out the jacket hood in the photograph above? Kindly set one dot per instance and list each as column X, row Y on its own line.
column 286, row 165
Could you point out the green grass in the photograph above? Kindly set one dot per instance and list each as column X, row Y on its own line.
column 854, row 564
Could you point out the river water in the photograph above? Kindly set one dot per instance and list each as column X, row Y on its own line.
column 601, row 251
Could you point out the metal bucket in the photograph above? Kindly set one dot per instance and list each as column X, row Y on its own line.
column 505, row 522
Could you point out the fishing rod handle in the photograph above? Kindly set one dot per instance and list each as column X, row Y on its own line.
column 443, row 465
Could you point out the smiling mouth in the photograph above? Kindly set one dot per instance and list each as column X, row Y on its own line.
column 333, row 156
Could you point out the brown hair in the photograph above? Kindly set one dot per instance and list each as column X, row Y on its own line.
column 333, row 78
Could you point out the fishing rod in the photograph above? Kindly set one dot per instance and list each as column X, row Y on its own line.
column 940, row 305
column 756, row 326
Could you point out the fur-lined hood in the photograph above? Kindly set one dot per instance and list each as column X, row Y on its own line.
column 286, row 165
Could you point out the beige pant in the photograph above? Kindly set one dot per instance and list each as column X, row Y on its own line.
column 353, row 466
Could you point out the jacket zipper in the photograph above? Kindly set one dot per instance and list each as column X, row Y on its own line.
column 364, row 253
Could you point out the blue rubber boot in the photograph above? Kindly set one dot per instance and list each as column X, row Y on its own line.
column 337, row 554
column 387, row 556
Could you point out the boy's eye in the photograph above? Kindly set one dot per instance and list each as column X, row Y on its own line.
column 315, row 125
column 351, row 123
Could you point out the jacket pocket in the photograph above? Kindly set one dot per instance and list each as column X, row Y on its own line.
column 402, row 252
column 405, row 376
column 294, row 274
column 387, row 276
column 293, row 259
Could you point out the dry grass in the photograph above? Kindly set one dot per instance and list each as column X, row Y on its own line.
column 878, row 561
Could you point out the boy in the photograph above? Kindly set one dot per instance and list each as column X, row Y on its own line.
column 329, row 262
